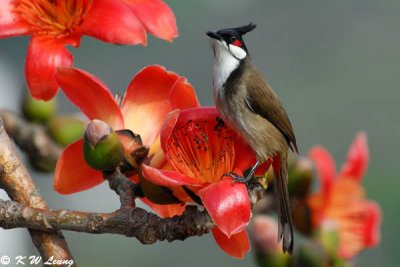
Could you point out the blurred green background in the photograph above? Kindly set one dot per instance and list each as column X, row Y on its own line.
column 334, row 64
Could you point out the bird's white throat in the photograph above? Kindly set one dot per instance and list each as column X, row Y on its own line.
column 227, row 59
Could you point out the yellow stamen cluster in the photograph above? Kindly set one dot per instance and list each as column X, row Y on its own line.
column 201, row 151
column 55, row 18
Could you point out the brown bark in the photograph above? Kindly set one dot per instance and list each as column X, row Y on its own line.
column 16, row 181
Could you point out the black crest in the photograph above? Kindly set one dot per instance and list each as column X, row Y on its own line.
column 245, row 29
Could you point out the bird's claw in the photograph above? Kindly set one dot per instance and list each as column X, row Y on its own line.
column 236, row 178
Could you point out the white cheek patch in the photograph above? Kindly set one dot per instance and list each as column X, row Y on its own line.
column 224, row 64
column 238, row 52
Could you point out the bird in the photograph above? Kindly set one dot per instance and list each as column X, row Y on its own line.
column 248, row 104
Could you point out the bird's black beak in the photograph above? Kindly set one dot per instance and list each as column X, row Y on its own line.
column 214, row 35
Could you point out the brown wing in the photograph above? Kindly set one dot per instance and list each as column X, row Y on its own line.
column 263, row 101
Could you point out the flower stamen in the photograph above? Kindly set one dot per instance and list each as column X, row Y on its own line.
column 202, row 150
column 55, row 18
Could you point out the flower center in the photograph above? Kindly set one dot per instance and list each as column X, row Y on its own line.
column 55, row 18
column 203, row 150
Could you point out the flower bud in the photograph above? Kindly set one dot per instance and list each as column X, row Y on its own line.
column 329, row 237
column 102, row 148
column 300, row 177
column 38, row 110
column 66, row 129
column 268, row 250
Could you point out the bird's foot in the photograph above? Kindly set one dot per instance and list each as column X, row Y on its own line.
column 236, row 178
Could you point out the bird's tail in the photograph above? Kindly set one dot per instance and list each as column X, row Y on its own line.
column 280, row 167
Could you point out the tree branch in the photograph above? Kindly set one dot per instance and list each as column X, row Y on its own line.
column 42, row 150
column 129, row 220
column 132, row 222
column 16, row 181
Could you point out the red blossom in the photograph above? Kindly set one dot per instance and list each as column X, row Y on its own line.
column 150, row 96
column 341, row 199
column 53, row 24
column 201, row 149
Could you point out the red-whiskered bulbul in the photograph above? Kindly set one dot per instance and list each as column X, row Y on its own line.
column 248, row 104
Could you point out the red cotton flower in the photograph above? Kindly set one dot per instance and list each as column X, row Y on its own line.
column 341, row 200
column 201, row 149
column 53, row 24
column 150, row 96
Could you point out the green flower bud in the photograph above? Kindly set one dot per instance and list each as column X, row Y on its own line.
column 329, row 237
column 300, row 177
column 102, row 148
column 66, row 129
column 38, row 110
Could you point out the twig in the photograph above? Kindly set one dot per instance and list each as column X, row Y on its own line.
column 41, row 149
column 16, row 181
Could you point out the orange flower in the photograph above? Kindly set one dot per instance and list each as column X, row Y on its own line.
column 150, row 96
column 341, row 200
column 53, row 24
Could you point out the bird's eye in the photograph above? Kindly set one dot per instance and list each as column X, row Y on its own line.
column 232, row 39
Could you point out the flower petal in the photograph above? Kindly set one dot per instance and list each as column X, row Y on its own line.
column 183, row 95
column 146, row 103
column 44, row 56
column 236, row 246
column 357, row 158
column 112, row 21
column 90, row 95
column 244, row 155
column 10, row 24
column 156, row 16
column 165, row 211
column 167, row 178
column 228, row 205
column 325, row 166
column 373, row 223
column 359, row 228
column 168, row 127
column 72, row 174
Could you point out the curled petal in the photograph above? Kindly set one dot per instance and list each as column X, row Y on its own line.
column 112, row 21
column 165, row 211
column 90, row 95
column 357, row 158
column 168, row 127
column 10, row 25
column 156, row 16
column 236, row 246
column 147, row 101
column 44, row 56
column 325, row 166
column 228, row 205
column 167, row 178
column 72, row 174
column 183, row 95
